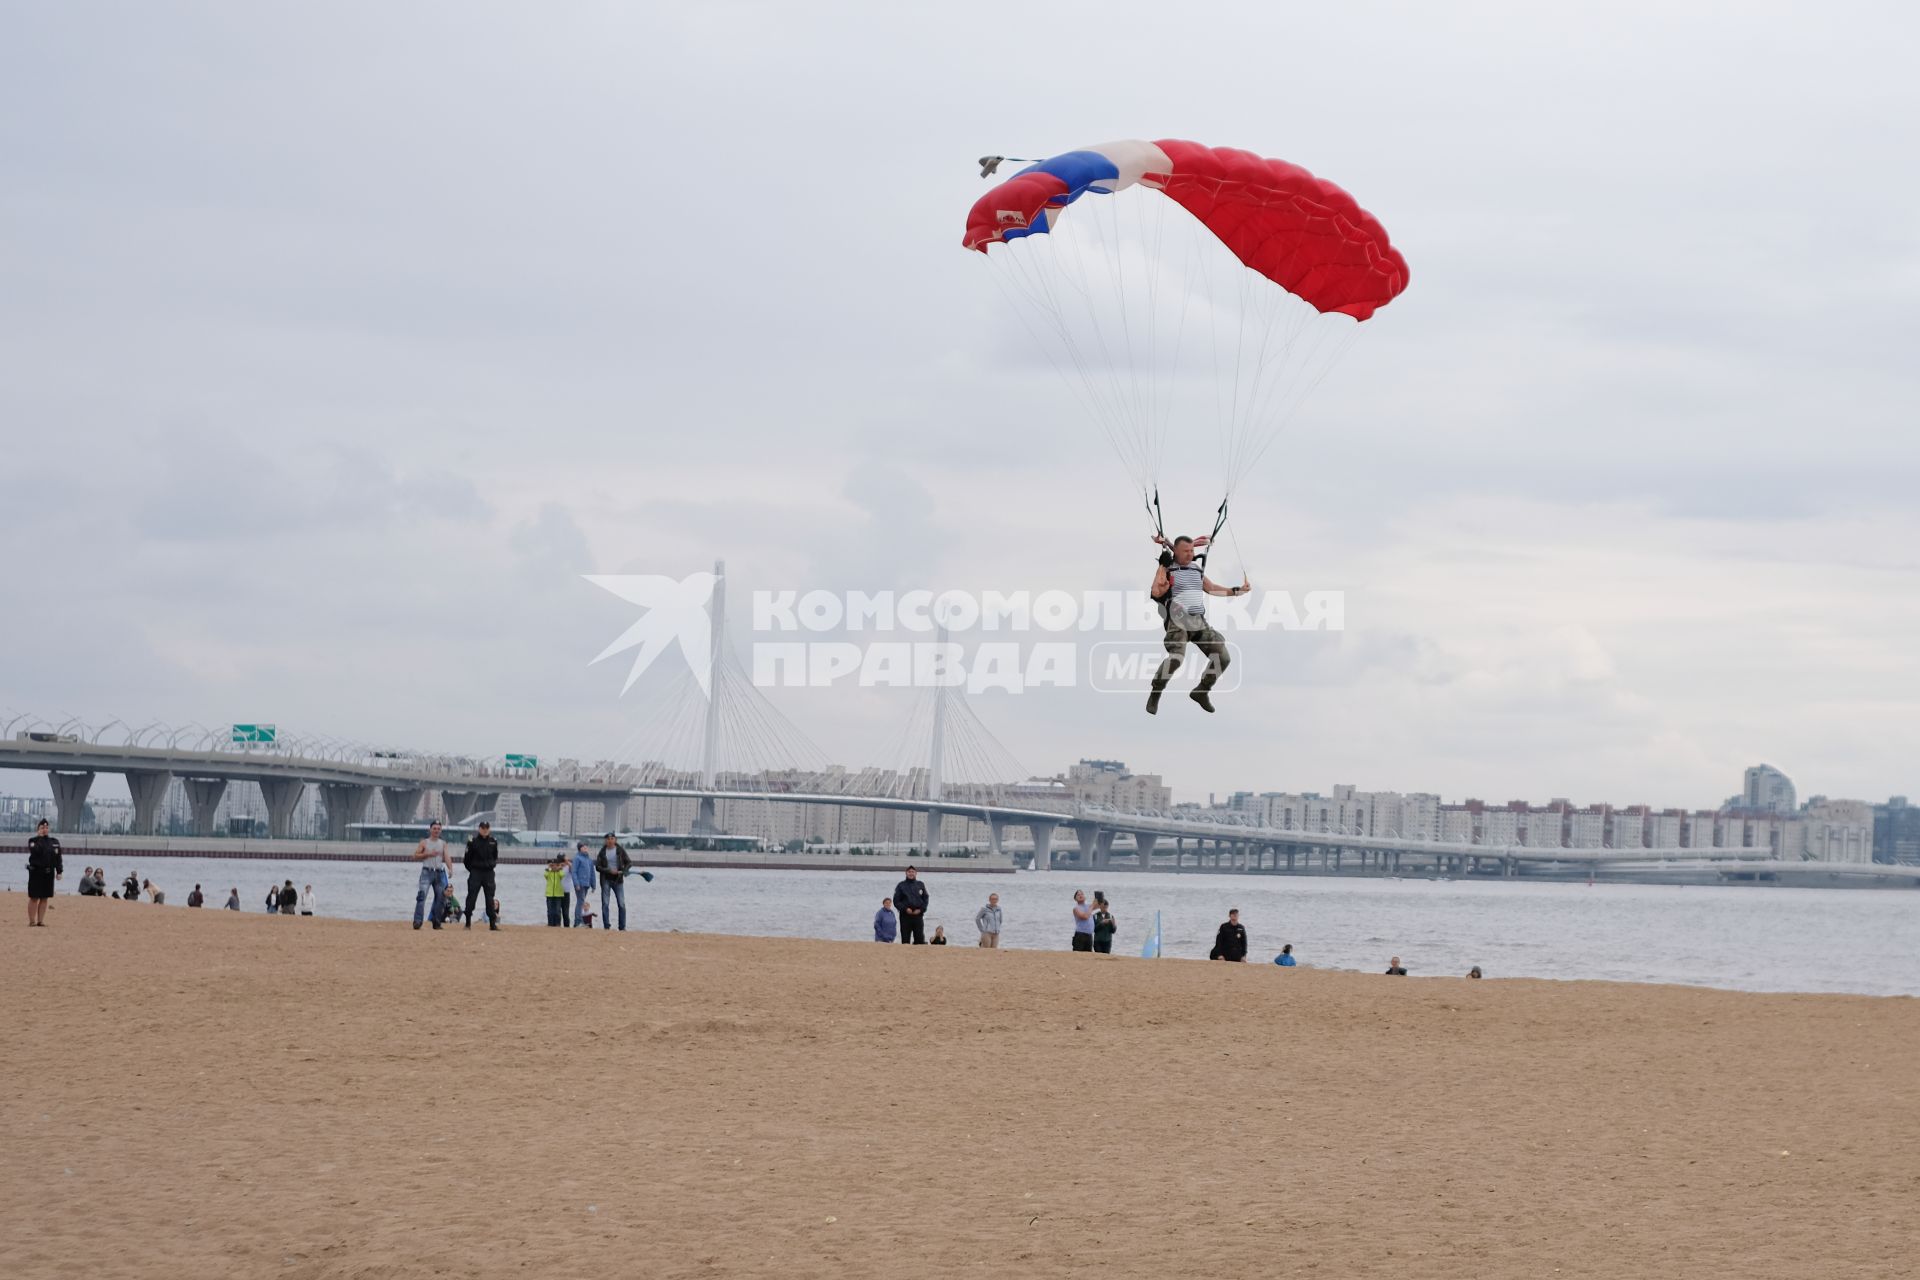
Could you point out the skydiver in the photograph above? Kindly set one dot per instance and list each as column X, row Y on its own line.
column 1181, row 587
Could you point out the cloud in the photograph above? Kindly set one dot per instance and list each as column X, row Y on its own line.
column 340, row 345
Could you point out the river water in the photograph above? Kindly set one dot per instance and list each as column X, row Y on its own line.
column 1746, row 938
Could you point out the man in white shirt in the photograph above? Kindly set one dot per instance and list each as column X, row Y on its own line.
column 436, row 872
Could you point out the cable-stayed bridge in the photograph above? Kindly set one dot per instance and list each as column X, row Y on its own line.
column 723, row 759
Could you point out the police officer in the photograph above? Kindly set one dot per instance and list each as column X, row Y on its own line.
column 43, row 868
column 483, row 855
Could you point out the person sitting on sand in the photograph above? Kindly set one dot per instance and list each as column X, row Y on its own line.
column 196, row 898
column 939, row 938
column 1394, row 969
column 885, row 926
column 1285, row 959
column 1474, row 972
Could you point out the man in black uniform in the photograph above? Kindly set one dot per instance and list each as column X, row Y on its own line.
column 1231, row 942
column 43, row 867
column 483, row 855
column 910, row 900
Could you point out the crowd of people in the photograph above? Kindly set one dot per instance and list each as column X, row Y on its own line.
column 901, row 918
column 569, row 882
column 571, row 878
column 46, row 864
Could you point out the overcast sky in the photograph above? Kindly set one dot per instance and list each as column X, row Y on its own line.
column 337, row 342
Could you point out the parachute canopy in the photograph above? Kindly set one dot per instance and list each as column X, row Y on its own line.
column 1301, row 232
column 1156, row 317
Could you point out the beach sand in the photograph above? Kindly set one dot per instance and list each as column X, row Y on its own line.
column 200, row 1093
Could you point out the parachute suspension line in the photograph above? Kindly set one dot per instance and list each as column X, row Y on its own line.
column 1219, row 519
column 1238, row 557
column 1108, row 253
column 1240, row 425
column 1163, row 412
column 1114, row 421
column 1246, row 423
column 1322, row 355
column 1116, row 253
column 1045, row 301
column 1153, row 512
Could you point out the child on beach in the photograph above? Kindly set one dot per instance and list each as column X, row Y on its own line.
column 939, row 938
column 886, row 927
column 556, row 876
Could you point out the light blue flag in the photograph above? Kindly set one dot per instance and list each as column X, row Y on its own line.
column 1152, row 950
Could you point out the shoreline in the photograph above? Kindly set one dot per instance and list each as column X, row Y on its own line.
column 1784, row 875
column 14, row 900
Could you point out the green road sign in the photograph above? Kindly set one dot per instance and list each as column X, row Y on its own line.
column 254, row 732
column 523, row 762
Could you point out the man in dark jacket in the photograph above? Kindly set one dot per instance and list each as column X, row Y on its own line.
column 483, row 855
column 910, row 900
column 1231, row 942
column 613, row 864
column 44, row 866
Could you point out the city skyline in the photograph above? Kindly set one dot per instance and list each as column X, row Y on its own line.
column 1764, row 811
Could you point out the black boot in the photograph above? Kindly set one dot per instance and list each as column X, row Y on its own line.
column 1200, row 696
column 1153, row 703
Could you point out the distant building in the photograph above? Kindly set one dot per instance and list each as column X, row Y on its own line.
column 1896, row 832
column 1767, row 789
column 1834, row 831
column 1107, row 782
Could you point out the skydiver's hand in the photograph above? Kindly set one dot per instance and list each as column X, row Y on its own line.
column 1161, row 539
column 1245, row 584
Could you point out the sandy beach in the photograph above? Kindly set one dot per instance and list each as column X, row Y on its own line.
column 214, row 1094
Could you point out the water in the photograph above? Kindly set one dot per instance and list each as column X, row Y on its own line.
column 1745, row 938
